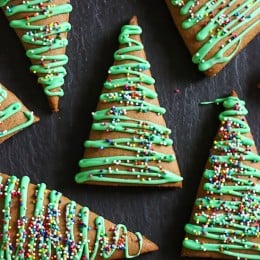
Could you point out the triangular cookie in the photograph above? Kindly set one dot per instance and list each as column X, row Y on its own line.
column 14, row 116
column 42, row 224
column 215, row 31
column 225, row 218
column 42, row 27
column 129, row 143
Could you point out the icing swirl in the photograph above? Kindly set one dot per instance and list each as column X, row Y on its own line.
column 227, row 217
column 131, row 92
column 222, row 24
column 43, row 38
column 40, row 236
column 10, row 111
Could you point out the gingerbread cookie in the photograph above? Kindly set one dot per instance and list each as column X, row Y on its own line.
column 129, row 143
column 14, row 116
column 225, row 218
column 215, row 31
column 42, row 27
column 42, row 224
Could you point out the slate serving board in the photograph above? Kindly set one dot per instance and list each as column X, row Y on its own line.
column 50, row 150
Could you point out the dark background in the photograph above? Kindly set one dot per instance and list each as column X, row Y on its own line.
column 50, row 150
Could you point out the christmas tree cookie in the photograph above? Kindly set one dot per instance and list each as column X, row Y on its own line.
column 14, row 116
column 225, row 218
column 129, row 143
column 42, row 224
column 215, row 31
column 42, row 27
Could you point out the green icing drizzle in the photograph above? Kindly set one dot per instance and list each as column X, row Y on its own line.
column 22, row 221
column 222, row 26
column 129, row 96
column 235, row 222
column 40, row 236
column 10, row 111
column 43, row 38
column 5, row 250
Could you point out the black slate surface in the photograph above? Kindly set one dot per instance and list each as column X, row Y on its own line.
column 50, row 150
